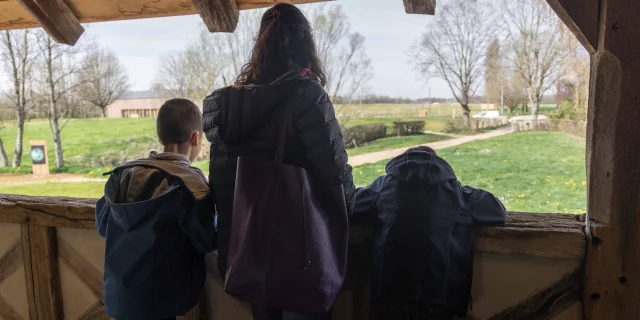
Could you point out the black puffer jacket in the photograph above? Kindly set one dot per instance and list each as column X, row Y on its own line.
column 243, row 121
column 423, row 247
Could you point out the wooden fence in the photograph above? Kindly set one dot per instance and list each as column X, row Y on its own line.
column 51, row 264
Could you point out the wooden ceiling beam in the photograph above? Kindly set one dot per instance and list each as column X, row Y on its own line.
column 218, row 15
column 56, row 18
column 420, row 6
column 582, row 18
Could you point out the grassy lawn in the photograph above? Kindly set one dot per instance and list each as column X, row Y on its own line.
column 533, row 172
column 396, row 142
column 92, row 189
column 91, row 146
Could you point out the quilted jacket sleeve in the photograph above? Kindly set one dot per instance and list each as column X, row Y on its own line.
column 316, row 122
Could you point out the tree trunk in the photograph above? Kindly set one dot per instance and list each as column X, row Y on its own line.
column 467, row 119
column 104, row 112
column 17, row 154
column 4, row 161
column 534, row 108
column 53, row 107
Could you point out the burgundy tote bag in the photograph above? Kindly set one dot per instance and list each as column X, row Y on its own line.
column 289, row 235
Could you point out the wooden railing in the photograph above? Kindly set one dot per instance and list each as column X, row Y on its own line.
column 41, row 240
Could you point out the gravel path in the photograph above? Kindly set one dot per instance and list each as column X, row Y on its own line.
column 388, row 154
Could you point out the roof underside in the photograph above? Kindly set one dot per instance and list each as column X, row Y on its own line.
column 14, row 16
column 62, row 18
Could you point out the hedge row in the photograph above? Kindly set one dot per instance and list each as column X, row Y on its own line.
column 364, row 133
column 370, row 132
column 406, row 128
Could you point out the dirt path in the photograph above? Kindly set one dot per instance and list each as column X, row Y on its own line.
column 444, row 134
column 388, row 154
column 21, row 179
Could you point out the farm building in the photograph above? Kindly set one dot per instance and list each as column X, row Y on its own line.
column 137, row 104
column 538, row 266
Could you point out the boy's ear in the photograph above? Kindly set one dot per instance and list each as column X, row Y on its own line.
column 195, row 138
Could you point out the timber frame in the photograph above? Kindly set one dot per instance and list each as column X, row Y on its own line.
column 609, row 281
column 525, row 234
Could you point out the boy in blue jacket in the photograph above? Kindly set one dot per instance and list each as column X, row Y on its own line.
column 423, row 245
column 157, row 217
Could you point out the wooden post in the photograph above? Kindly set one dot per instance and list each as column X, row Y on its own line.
column 43, row 252
column 38, row 154
column 612, row 281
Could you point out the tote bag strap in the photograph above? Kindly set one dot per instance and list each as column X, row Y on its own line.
column 284, row 119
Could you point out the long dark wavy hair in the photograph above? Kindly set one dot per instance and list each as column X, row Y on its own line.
column 285, row 41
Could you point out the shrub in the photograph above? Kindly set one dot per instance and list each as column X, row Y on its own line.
column 568, row 110
column 453, row 126
column 364, row 133
column 405, row 128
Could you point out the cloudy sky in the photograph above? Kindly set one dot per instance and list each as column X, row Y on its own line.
column 388, row 30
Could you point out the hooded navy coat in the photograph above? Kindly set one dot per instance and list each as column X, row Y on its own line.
column 424, row 222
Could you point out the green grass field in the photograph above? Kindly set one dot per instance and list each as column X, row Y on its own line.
column 92, row 189
column 395, row 142
column 533, row 172
column 90, row 146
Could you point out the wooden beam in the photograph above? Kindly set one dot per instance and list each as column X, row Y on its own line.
column 535, row 234
column 15, row 17
column 581, row 17
column 28, row 270
column 549, row 302
column 48, row 211
column 11, row 261
column 46, row 275
column 94, row 312
column 56, row 18
column 87, row 273
column 218, row 15
column 420, row 6
column 7, row 312
column 612, row 279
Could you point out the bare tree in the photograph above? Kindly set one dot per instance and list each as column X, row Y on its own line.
column 4, row 160
column 515, row 92
column 212, row 60
column 102, row 78
column 58, row 67
column 493, row 73
column 454, row 48
column 576, row 68
column 536, row 50
column 192, row 73
column 18, row 57
column 343, row 54
column 236, row 47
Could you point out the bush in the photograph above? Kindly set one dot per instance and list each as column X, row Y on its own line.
column 568, row 110
column 454, row 126
column 364, row 133
column 406, row 128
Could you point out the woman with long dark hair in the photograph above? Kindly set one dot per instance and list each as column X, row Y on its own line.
column 284, row 73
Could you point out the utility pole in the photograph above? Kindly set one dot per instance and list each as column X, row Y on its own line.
column 502, row 100
column 429, row 101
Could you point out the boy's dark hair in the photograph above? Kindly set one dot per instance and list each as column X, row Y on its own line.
column 177, row 120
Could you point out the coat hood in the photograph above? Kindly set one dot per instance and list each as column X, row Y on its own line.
column 236, row 113
column 133, row 192
column 420, row 166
